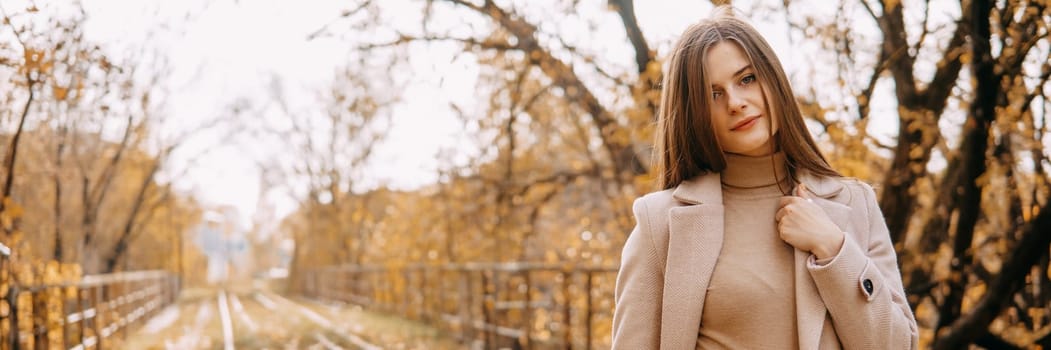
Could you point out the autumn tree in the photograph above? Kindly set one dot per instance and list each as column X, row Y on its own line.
column 965, row 232
column 331, row 144
column 85, row 146
column 940, row 106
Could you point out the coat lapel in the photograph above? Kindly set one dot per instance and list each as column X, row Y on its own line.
column 810, row 309
column 695, row 238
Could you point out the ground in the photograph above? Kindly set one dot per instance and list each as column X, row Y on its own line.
column 255, row 317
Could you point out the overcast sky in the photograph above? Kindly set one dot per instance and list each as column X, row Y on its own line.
column 226, row 49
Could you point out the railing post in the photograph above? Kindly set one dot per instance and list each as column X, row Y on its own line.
column 177, row 280
column 439, row 301
column 566, row 276
column 99, row 315
column 124, row 309
column 10, row 340
column 12, row 303
column 587, row 309
column 82, row 300
column 424, row 310
column 39, row 313
column 356, row 286
column 323, row 281
column 465, row 304
column 344, row 285
column 83, row 317
column 388, row 294
column 421, row 291
column 310, row 285
column 406, row 296
column 328, row 279
column 486, row 301
column 354, row 278
column 308, row 289
column 528, row 310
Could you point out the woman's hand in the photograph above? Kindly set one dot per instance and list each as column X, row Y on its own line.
column 804, row 225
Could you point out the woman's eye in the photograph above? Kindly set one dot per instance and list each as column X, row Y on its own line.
column 748, row 79
column 716, row 94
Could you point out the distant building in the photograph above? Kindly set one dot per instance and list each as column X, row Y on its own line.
column 224, row 243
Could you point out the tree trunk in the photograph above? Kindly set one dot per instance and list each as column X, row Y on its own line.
column 12, row 151
column 919, row 111
column 126, row 233
column 57, row 252
column 1026, row 252
column 972, row 153
column 94, row 196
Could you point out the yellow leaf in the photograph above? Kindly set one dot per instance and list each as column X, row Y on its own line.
column 32, row 58
column 60, row 92
column 12, row 209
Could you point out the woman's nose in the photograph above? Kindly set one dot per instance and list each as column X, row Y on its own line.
column 734, row 103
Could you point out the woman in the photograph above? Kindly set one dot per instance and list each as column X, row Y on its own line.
column 755, row 241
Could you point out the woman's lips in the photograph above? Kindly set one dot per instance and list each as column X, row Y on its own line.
column 745, row 124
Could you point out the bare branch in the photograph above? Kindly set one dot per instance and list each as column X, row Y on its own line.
column 347, row 13
column 865, row 98
column 591, row 60
column 472, row 42
column 892, row 25
column 948, row 67
column 623, row 156
column 926, row 18
column 869, row 10
column 643, row 54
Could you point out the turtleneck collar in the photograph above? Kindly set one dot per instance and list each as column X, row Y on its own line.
column 752, row 172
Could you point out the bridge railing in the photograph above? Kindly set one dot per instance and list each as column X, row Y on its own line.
column 515, row 305
column 83, row 315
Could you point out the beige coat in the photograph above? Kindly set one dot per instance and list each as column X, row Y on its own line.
column 668, row 260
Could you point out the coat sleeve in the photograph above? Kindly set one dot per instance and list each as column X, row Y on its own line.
column 862, row 289
column 639, row 289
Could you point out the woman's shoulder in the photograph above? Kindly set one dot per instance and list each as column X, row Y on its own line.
column 657, row 201
column 651, row 209
column 856, row 192
column 845, row 190
column 857, row 185
column 651, row 218
column 849, row 181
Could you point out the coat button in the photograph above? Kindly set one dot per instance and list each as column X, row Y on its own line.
column 867, row 283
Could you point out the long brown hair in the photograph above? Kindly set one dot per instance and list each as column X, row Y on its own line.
column 686, row 144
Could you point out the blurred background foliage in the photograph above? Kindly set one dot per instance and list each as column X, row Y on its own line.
column 940, row 105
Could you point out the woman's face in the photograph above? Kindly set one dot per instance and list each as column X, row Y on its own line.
column 738, row 109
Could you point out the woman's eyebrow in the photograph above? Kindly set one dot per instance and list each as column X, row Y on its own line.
column 737, row 73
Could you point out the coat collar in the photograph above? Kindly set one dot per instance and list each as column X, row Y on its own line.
column 707, row 187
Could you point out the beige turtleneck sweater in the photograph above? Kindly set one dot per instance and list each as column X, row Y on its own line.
column 750, row 300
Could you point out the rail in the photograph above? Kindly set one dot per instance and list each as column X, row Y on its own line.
column 82, row 315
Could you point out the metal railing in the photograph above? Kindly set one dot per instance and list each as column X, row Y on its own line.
column 81, row 315
column 514, row 305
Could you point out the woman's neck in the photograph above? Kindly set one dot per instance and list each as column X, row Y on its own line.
column 754, row 171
